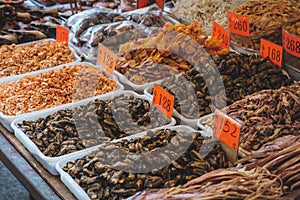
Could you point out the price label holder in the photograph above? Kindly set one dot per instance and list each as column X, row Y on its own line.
column 227, row 130
column 163, row 101
column 160, row 4
column 106, row 58
column 271, row 50
column 142, row 3
column 220, row 33
column 291, row 43
column 238, row 24
column 62, row 34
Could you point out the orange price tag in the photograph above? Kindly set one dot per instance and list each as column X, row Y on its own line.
column 62, row 34
column 227, row 130
column 160, row 4
column 163, row 101
column 220, row 33
column 271, row 50
column 106, row 58
column 291, row 43
column 143, row 3
column 238, row 24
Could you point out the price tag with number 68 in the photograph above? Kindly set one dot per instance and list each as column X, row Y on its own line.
column 163, row 101
column 227, row 130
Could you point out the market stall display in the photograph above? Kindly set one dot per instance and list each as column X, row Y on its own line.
column 35, row 56
column 266, row 19
column 73, row 119
column 109, row 172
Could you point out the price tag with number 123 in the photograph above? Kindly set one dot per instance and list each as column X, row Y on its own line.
column 106, row 58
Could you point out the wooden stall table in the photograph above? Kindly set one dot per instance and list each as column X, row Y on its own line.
column 33, row 176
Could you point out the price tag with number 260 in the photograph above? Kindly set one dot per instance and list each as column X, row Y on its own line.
column 163, row 101
column 227, row 130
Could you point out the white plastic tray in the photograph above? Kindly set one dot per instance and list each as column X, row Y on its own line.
column 7, row 119
column 71, row 183
column 50, row 162
column 71, row 47
column 184, row 120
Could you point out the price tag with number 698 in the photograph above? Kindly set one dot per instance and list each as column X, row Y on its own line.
column 227, row 130
column 62, row 34
column 163, row 101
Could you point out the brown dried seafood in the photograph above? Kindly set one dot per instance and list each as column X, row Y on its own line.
column 241, row 75
column 174, row 49
column 110, row 35
column 222, row 184
column 36, row 56
column 267, row 115
column 280, row 157
column 53, row 88
column 266, row 18
column 112, row 172
column 77, row 128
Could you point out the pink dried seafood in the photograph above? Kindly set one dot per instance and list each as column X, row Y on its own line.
column 53, row 88
column 15, row 60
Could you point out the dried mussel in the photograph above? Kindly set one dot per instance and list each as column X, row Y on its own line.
column 121, row 169
column 77, row 128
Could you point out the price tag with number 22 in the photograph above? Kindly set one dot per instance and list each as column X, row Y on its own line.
column 163, row 101
column 227, row 129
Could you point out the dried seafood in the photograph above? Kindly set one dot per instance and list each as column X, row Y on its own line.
column 266, row 18
column 84, row 126
column 223, row 184
column 110, row 173
column 36, row 56
column 53, row 88
column 242, row 75
column 267, row 115
column 205, row 11
column 280, row 157
column 172, row 50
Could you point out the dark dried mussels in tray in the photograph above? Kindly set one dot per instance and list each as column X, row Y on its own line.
column 87, row 125
column 241, row 74
column 119, row 170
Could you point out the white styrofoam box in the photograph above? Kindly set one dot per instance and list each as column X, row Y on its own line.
column 73, row 185
column 50, row 162
column 184, row 120
column 7, row 119
column 71, row 47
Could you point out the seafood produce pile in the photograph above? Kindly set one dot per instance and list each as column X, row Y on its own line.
column 134, row 99
column 280, row 157
column 69, row 130
column 110, row 172
column 267, row 115
column 107, row 26
column 53, row 88
column 35, row 56
column 266, row 19
column 241, row 74
column 173, row 50
column 222, row 184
